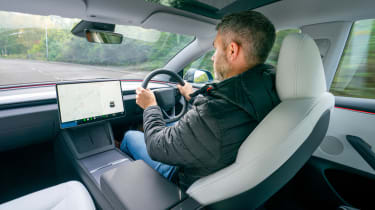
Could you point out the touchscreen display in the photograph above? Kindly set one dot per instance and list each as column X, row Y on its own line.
column 82, row 103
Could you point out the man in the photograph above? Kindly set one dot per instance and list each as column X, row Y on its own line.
column 207, row 138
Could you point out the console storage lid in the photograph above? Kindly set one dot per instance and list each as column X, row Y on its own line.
column 137, row 186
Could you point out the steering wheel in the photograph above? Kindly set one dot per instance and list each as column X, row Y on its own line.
column 167, row 98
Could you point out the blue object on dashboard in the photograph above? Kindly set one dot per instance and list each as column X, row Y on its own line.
column 68, row 124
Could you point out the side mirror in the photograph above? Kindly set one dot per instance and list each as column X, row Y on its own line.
column 198, row 76
column 103, row 37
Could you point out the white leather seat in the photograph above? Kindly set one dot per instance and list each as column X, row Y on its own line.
column 282, row 143
column 65, row 196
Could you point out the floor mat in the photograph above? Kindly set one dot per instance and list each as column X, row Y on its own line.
column 26, row 170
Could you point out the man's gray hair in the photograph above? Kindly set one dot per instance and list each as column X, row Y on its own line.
column 251, row 30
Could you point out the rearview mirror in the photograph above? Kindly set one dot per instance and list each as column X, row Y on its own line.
column 103, row 37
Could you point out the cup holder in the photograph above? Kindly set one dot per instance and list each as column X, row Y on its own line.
column 357, row 190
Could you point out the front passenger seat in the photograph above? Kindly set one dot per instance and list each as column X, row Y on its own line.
column 283, row 141
column 66, row 196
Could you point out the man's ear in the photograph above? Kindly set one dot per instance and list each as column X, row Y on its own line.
column 233, row 51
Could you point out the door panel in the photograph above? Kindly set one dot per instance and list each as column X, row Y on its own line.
column 353, row 85
column 335, row 146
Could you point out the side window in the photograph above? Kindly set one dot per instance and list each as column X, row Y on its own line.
column 204, row 62
column 274, row 54
column 355, row 76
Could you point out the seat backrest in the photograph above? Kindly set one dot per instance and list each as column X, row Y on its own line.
column 284, row 140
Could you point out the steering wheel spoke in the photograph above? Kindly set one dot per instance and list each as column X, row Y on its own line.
column 171, row 115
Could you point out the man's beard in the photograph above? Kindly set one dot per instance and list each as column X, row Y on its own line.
column 221, row 69
column 219, row 76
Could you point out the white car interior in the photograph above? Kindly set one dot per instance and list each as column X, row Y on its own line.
column 68, row 195
column 314, row 150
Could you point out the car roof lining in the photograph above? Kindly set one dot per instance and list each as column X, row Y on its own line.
column 297, row 13
column 284, row 14
column 160, row 19
column 214, row 8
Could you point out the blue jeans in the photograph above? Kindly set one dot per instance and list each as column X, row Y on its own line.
column 134, row 145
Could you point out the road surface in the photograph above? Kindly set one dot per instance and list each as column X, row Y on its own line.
column 17, row 71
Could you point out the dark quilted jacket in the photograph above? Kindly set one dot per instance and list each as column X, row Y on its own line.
column 209, row 135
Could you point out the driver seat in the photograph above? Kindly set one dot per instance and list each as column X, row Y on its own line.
column 283, row 141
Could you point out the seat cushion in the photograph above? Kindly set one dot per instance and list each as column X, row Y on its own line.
column 68, row 195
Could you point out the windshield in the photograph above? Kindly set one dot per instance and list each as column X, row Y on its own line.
column 36, row 49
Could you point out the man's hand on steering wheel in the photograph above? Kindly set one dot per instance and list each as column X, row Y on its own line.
column 145, row 98
column 185, row 90
column 166, row 98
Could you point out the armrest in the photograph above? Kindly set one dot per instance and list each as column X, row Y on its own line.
column 363, row 148
column 137, row 186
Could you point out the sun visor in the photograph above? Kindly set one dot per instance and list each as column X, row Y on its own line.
column 179, row 24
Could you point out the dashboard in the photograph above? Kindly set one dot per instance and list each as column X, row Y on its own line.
column 29, row 114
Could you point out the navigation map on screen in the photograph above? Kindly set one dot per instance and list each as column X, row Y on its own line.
column 82, row 103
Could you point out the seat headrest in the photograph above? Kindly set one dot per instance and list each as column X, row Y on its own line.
column 300, row 72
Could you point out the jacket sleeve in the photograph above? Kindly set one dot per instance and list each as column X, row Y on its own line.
column 192, row 142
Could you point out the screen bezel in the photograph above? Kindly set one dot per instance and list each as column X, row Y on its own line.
column 93, row 122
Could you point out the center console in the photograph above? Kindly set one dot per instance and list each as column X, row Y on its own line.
column 93, row 148
column 85, row 150
column 113, row 179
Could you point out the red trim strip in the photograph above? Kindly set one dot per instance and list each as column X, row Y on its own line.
column 27, row 86
column 51, row 84
column 139, row 80
column 355, row 110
